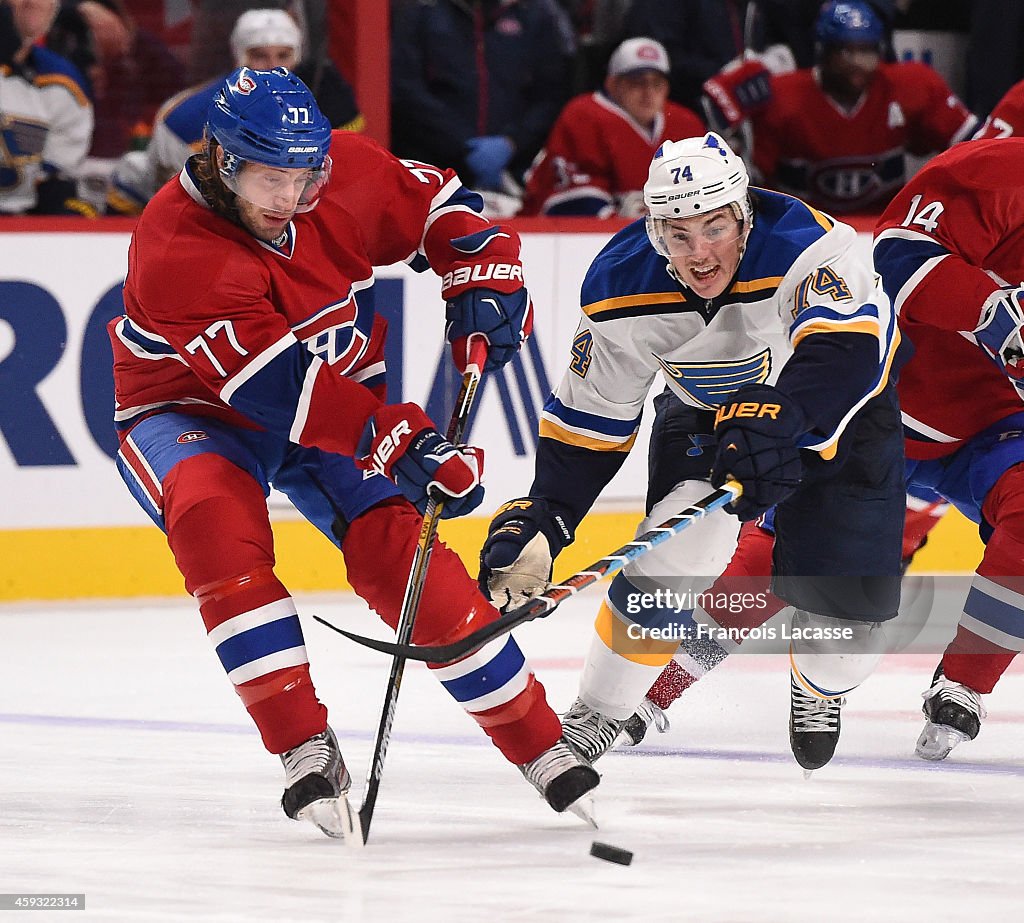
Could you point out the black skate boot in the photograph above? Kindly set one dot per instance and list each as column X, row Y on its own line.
column 813, row 726
column 563, row 779
column 316, row 785
column 588, row 731
column 953, row 714
column 637, row 725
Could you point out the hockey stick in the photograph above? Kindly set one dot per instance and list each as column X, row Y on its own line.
column 414, row 588
column 546, row 603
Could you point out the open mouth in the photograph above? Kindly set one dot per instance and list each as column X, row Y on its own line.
column 704, row 275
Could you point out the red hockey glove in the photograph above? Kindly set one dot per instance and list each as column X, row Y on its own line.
column 736, row 92
column 485, row 294
column 401, row 443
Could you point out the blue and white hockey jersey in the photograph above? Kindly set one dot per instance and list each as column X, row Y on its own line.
column 803, row 313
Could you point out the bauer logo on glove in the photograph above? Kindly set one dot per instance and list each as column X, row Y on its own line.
column 401, row 443
column 757, row 432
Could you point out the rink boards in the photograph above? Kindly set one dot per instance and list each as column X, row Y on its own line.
column 68, row 527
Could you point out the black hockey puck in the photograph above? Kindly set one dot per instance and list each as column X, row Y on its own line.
column 611, row 853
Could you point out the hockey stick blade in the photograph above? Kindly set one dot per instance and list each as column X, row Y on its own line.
column 548, row 601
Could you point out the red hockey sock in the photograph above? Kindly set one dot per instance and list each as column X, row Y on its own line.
column 975, row 662
column 219, row 532
column 451, row 607
column 671, row 684
column 969, row 659
column 523, row 728
column 283, row 703
column 747, row 573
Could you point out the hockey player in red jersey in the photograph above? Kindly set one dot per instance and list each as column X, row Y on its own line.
column 950, row 249
column 836, row 135
column 250, row 356
column 596, row 157
column 1007, row 119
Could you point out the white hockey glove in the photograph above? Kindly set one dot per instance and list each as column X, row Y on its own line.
column 523, row 540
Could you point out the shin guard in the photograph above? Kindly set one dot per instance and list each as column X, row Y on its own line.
column 495, row 685
column 219, row 532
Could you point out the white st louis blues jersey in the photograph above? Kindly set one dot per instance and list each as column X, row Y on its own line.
column 799, row 276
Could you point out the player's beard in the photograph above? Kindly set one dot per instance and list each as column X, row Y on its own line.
column 261, row 224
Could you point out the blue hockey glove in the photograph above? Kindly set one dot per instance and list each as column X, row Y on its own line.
column 757, row 432
column 999, row 333
column 504, row 321
column 400, row 442
column 486, row 157
column 523, row 540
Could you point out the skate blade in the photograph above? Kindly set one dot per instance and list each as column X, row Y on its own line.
column 808, row 774
column 335, row 818
column 583, row 808
column 937, row 742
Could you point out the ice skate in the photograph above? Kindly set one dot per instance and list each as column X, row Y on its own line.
column 316, row 786
column 953, row 714
column 564, row 780
column 588, row 731
column 813, row 726
column 638, row 724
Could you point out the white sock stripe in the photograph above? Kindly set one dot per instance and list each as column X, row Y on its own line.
column 690, row 665
column 997, row 591
column 982, row 630
column 293, row 657
column 473, row 662
column 271, row 612
column 500, row 696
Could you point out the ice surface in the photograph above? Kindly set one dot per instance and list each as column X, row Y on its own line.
column 129, row 771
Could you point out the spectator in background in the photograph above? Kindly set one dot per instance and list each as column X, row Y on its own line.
column 996, row 57
column 703, row 36
column 836, row 135
column 598, row 154
column 46, row 119
column 484, row 121
column 261, row 39
column 209, row 52
column 130, row 70
column 597, row 25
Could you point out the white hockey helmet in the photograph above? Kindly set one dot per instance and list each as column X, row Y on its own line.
column 693, row 177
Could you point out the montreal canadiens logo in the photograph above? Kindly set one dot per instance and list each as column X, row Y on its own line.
column 245, row 85
column 193, row 435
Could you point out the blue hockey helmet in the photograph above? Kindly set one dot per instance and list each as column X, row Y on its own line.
column 269, row 118
column 849, row 22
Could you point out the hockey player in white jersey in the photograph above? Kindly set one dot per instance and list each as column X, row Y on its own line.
column 777, row 345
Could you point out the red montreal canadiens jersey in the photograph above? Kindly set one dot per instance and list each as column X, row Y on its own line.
column 838, row 161
column 596, row 154
column 1008, row 116
column 281, row 336
column 950, row 239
